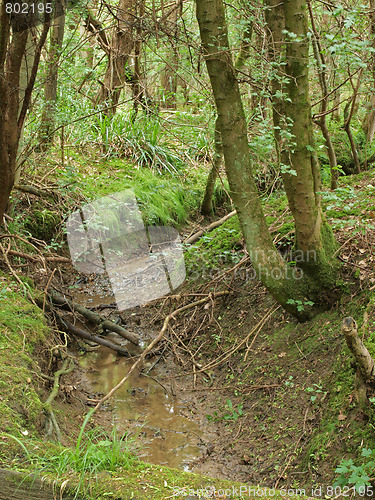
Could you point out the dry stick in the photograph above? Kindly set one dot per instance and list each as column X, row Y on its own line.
column 46, row 288
column 230, row 387
column 94, row 317
column 214, row 225
column 35, row 191
column 38, row 258
column 153, row 344
column 15, row 275
column 289, row 461
column 229, row 353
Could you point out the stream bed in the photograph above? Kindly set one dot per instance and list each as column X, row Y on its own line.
column 146, row 409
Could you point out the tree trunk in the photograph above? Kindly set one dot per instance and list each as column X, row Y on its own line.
column 322, row 122
column 121, row 46
column 47, row 122
column 12, row 114
column 369, row 120
column 294, row 135
column 169, row 77
column 206, row 208
column 283, row 281
column 242, row 57
column 350, row 110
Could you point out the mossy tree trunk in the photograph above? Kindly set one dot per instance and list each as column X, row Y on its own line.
column 242, row 56
column 283, row 281
column 287, row 22
column 217, row 162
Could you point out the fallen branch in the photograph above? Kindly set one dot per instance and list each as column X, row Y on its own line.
column 37, row 258
column 95, row 318
column 195, row 237
column 35, row 191
column 364, row 360
column 88, row 336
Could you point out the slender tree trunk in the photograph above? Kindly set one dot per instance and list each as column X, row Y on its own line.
column 169, row 77
column 368, row 124
column 294, row 135
column 25, row 73
column 206, row 208
column 322, row 122
column 283, row 281
column 350, row 111
column 242, row 57
column 12, row 114
column 47, row 122
column 121, row 46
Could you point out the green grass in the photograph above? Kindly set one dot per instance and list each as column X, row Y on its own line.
column 168, row 199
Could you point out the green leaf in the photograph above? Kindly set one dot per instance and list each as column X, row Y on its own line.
column 366, row 452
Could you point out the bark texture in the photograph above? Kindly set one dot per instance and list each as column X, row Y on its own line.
column 289, row 50
column 363, row 358
column 12, row 111
column 119, row 50
column 282, row 281
column 47, row 123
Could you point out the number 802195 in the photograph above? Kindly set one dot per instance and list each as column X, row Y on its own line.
column 26, row 8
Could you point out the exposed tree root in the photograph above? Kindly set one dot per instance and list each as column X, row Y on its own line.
column 52, row 423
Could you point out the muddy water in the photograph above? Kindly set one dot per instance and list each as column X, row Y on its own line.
column 147, row 409
column 142, row 406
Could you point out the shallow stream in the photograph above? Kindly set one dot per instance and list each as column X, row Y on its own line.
column 144, row 406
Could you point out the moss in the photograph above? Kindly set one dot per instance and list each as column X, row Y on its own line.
column 42, row 223
column 23, row 328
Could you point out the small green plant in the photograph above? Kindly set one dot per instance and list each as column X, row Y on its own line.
column 233, row 413
column 316, row 390
column 299, row 304
column 358, row 477
column 3, row 293
column 289, row 382
column 97, row 452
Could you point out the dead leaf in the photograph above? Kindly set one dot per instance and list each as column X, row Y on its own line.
column 341, row 416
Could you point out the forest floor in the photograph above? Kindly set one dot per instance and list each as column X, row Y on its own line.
column 275, row 400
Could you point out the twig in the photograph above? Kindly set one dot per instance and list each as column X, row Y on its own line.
column 14, row 274
column 195, row 237
column 289, row 461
